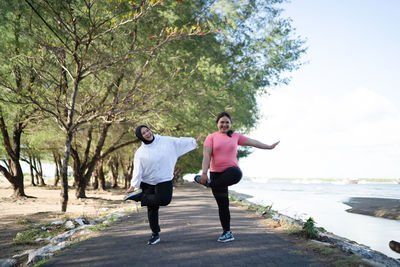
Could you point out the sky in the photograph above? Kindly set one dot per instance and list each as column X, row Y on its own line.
column 339, row 117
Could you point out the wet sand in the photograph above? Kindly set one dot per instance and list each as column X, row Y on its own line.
column 379, row 207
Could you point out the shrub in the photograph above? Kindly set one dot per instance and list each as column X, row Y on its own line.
column 309, row 228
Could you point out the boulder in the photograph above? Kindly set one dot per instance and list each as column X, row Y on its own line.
column 69, row 225
column 80, row 221
column 44, row 253
column 8, row 262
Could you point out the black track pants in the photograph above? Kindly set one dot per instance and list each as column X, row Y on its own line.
column 153, row 197
column 219, row 186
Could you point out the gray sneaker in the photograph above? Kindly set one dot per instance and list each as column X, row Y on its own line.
column 135, row 195
column 197, row 180
column 226, row 237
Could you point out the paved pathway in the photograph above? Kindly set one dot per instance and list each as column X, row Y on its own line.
column 189, row 230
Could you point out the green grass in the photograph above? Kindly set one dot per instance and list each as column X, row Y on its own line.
column 40, row 262
column 290, row 227
column 253, row 207
column 24, row 221
column 99, row 227
column 29, row 236
column 337, row 257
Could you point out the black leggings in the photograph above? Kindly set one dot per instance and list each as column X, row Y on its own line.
column 153, row 197
column 219, row 186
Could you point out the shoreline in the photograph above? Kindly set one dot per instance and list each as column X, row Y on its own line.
column 343, row 243
column 388, row 208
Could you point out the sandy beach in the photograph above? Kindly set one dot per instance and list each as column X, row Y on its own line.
column 379, row 207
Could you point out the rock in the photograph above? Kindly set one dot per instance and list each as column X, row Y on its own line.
column 110, row 214
column 80, row 221
column 44, row 228
column 107, row 222
column 8, row 262
column 361, row 250
column 64, row 236
column 26, row 252
column 57, row 223
column 38, row 239
column 78, row 235
column 58, row 242
column 326, row 244
column 69, row 225
column 373, row 263
column 118, row 216
column 95, row 222
column 44, row 253
column 395, row 246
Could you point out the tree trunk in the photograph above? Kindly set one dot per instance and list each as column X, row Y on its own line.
column 32, row 174
column 178, row 175
column 14, row 172
column 79, row 181
column 35, row 169
column 87, row 166
column 80, row 190
column 100, row 175
column 127, row 170
column 64, row 173
column 95, row 178
column 57, row 162
column 40, row 172
column 114, row 166
column 18, row 185
column 37, row 165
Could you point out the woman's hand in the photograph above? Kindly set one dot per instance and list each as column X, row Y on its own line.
column 258, row 144
column 203, row 178
column 274, row 145
column 130, row 189
column 198, row 138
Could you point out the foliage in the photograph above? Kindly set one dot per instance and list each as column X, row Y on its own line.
column 78, row 67
column 309, row 228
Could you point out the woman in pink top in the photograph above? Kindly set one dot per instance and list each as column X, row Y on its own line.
column 220, row 154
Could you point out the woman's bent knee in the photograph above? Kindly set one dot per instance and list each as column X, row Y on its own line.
column 165, row 201
column 235, row 173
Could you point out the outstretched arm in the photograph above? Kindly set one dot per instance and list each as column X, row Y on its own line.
column 207, row 151
column 258, row 144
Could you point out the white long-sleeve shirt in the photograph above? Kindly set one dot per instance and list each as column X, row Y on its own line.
column 154, row 163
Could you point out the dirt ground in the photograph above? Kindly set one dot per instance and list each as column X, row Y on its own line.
column 43, row 206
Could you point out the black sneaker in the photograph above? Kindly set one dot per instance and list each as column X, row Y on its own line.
column 197, row 180
column 135, row 195
column 155, row 238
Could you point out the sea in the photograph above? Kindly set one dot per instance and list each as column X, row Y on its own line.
column 323, row 201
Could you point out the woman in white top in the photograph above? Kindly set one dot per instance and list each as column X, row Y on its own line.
column 153, row 172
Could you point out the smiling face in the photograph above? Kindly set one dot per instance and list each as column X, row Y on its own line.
column 224, row 125
column 146, row 133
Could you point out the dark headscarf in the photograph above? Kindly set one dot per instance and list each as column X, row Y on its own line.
column 138, row 133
